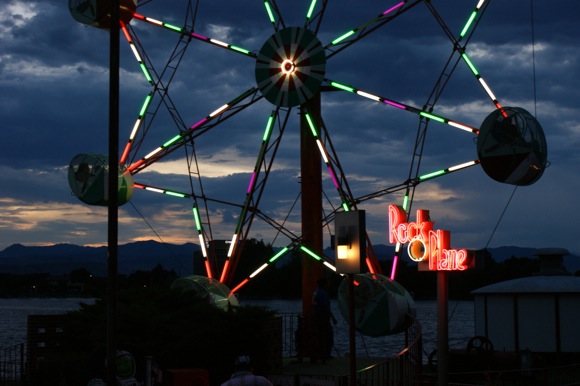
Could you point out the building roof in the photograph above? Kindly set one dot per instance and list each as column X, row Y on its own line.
column 533, row 284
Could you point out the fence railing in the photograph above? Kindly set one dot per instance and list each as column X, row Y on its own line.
column 404, row 368
column 12, row 365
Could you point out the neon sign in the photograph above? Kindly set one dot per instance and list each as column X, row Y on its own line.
column 427, row 246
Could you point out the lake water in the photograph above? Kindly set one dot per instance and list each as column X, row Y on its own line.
column 461, row 327
column 14, row 313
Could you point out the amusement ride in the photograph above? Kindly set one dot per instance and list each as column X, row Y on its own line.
column 294, row 69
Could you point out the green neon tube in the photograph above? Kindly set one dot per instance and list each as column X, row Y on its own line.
column 172, row 27
column 268, row 128
column 471, row 66
column 277, row 255
column 239, row 49
column 146, row 72
column 308, row 251
column 312, row 127
column 145, row 105
column 468, row 24
column 311, row 9
column 341, row 38
column 175, row 194
column 342, row 86
column 269, row 10
column 431, row 175
column 172, row 140
column 196, row 218
column 431, row 116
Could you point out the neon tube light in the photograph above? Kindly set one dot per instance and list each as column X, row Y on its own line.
column 153, row 21
column 145, row 105
column 258, row 271
column 345, row 207
column 278, row 255
column 174, row 194
column 251, row 184
column 173, row 27
column 468, row 24
column 370, row 96
column 311, row 125
column 218, row 111
column 394, row 104
column 232, row 244
column 219, row 43
column 240, row 49
column 309, row 252
column 135, row 53
column 202, row 245
column 236, row 288
column 172, row 140
column 394, row 269
column 470, row 64
column 311, row 9
column 463, row 127
column 196, row 218
column 432, row 175
column 146, row 72
column 269, row 10
column 208, row 269
column 431, row 116
column 268, row 128
column 462, row 166
column 154, row 152
column 196, row 125
column 225, row 270
column 341, row 38
column 487, row 89
column 406, row 202
column 342, row 86
column 334, row 180
column 332, row 267
column 322, row 152
column 393, row 8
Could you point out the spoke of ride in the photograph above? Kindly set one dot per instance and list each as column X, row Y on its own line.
column 146, row 103
column 361, row 31
column 250, row 191
column 179, row 139
column 279, row 254
column 194, row 35
column 402, row 106
column 329, row 166
column 470, row 64
column 273, row 11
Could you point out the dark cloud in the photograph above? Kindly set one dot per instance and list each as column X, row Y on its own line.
column 54, row 105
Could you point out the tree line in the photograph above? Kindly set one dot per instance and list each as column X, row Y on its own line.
column 282, row 281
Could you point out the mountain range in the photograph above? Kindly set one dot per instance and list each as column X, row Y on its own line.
column 61, row 259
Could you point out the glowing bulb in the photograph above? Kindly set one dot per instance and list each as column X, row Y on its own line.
column 288, row 67
column 342, row 251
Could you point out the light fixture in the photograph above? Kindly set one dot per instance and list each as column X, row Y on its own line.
column 350, row 246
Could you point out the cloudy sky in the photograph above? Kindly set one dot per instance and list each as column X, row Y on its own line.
column 54, row 105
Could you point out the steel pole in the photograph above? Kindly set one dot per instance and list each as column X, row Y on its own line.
column 112, row 231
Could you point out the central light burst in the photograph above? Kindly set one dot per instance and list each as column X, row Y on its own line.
column 290, row 67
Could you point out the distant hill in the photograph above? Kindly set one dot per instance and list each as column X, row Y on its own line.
column 61, row 259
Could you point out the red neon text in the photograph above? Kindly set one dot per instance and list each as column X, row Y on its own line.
column 425, row 243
